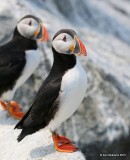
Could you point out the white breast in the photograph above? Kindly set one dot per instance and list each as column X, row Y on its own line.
column 32, row 62
column 73, row 89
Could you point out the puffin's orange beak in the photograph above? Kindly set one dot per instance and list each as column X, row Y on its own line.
column 81, row 46
column 45, row 33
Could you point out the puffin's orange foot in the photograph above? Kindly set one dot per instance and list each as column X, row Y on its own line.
column 14, row 110
column 62, row 139
column 3, row 105
column 68, row 148
column 62, row 144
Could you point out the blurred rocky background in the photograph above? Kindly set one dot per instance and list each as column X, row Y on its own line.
column 101, row 124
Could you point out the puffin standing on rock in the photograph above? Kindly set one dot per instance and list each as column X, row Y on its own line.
column 18, row 60
column 61, row 93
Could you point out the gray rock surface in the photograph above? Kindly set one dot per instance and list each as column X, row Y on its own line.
column 102, row 122
column 38, row 146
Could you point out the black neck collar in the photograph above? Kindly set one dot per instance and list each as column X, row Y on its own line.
column 24, row 43
column 63, row 62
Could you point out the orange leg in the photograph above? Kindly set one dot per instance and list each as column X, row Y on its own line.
column 62, row 144
column 14, row 110
column 3, row 104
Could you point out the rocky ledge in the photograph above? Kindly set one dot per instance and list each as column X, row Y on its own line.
column 38, row 146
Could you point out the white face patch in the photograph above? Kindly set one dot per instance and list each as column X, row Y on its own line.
column 27, row 27
column 62, row 43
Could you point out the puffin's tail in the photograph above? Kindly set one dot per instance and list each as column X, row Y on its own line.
column 21, row 136
column 25, row 132
column 28, row 131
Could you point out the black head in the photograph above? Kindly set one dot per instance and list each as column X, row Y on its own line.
column 66, row 41
column 31, row 27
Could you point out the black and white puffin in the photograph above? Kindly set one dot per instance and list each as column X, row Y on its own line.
column 61, row 93
column 18, row 60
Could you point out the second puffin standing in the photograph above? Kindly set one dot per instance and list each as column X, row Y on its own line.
column 61, row 93
column 18, row 60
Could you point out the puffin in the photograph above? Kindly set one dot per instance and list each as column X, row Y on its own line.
column 18, row 60
column 61, row 93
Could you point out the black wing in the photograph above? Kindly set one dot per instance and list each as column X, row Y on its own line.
column 43, row 109
column 12, row 63
column 10, row 71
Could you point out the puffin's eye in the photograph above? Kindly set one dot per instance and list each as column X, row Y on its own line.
column 30, row 23
column 64, row 39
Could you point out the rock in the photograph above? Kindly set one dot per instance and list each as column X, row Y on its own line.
column 38, row 146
